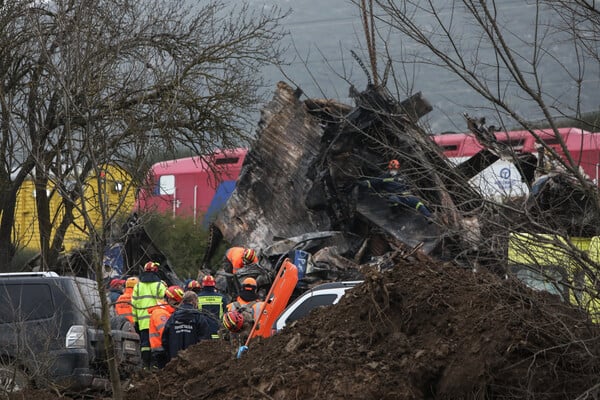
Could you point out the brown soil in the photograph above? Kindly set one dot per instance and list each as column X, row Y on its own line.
column 422, row 330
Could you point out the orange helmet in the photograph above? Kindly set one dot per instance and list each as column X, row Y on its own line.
column 208, row 280
column 394, row 164
column 174, row 293
column 233, row 321
column 249, row 256
column 131, row 282
column 193, row 285
column 151, row 266
column 249, row 284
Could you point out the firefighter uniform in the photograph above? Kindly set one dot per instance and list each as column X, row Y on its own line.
column 147, row 293
column 159, row 315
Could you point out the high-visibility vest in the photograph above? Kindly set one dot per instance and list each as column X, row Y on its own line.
column 159, row 315
column 212, row 304
column 123, row 305
column 145, row 295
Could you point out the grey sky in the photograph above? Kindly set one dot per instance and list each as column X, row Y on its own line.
column 322, row 33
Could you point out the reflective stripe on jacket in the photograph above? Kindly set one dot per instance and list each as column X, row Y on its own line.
column 145, row 295
column 393, row 184
column 212, row 303
column 159, row 315
column 123, row 305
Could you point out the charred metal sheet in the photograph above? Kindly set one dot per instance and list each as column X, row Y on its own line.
column 269, row 198
column 404, row 224
column 300, row 175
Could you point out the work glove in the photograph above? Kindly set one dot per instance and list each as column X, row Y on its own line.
column 241, row 350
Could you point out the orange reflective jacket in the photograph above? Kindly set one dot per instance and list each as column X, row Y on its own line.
column 123, row 305
column 159, row 315
column 235, row 255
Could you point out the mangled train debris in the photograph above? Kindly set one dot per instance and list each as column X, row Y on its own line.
column 297, row 194
column 300, row 178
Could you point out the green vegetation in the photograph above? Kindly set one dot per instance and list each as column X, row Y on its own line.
column 183, row 242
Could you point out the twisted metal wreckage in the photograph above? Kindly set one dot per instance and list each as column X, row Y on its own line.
column 297, row 189
column 297, row 195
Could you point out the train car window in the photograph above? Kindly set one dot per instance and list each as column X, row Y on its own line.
column 166, row 183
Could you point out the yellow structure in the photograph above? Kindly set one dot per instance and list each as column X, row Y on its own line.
column 564, row 266
column 112, row 191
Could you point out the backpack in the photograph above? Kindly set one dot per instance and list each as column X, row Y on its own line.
column 247, row 311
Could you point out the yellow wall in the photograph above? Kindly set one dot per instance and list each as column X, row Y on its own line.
column 552, row 251
column 26, row 229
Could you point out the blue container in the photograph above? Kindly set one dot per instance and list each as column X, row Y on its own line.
column 301, row 261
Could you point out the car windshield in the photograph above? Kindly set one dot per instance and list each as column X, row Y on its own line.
column 549, row 280
column 310, row 304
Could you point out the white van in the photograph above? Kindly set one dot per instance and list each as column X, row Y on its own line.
column 325, row 294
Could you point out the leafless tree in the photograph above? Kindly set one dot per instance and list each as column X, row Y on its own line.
column 91, row 83
column 475, row 42
column 96, row 83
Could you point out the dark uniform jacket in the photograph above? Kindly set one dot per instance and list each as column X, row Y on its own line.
column 390, row 184
column 187, row 326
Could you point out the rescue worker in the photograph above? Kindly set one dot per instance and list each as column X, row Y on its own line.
column 396, row 189
column 147, row 293
column 248, row 304
column 123, row 304
column 211, row 302
column 159, row 315
column 115, row 290
column 237, row 258
column 185, row 327
column 194, row 286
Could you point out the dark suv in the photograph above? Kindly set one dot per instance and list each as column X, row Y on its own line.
column 50, row 333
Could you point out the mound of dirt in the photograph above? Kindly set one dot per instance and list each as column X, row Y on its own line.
column 421, row 330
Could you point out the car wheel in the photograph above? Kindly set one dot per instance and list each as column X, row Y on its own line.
column 12, row 379
column 121, row 324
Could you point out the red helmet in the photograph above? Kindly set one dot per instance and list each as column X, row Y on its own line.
column 151, row 266
column 193, row 285
column 249, row 284
column 233, row 321
column 208, row 280
column 394, row 164
column 116, row 283
column 174, row 293
column 249, row 256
